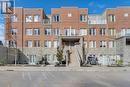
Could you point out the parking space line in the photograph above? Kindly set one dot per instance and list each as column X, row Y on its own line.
column 23, row 75
column 29, row 76
column 44, row 76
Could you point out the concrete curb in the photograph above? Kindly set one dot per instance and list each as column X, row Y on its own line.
column 86, row 69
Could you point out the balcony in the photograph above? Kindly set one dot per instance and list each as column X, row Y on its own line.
column 124, row 32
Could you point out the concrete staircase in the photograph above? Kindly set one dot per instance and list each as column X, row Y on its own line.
column 74, row 61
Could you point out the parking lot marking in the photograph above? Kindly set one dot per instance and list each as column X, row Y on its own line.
column 44, row 76
column 29, row 76
column 23, row 75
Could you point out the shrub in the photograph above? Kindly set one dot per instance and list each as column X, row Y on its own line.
column 59, row 55
column 2, row 61
column 119, row 62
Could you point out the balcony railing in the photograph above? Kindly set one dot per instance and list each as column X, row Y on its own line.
column 122, row 34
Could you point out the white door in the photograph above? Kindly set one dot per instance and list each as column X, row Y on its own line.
column 32, row 60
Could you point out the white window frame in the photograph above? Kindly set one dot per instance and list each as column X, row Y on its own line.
column 56, row 32
column 13, row 31
column 92, row 31
column 29, row 43
column 111, row 44
column 48, row 31
column 102, row 31
column 103, row 44
column 29, row 18
column 47, row 44
column 37, row 18
column 56, row 18
column 36, row 43
column 112, row 18
column 36, row 31
column 83, row 31
column 55, row 44
column 83, row 18
column 112, row 31
column 29, row 31
column 14, row 18
column 92, row 44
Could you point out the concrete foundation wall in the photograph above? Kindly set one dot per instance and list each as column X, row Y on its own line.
column 7, row 54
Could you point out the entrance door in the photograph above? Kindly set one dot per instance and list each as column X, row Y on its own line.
column 32, row 59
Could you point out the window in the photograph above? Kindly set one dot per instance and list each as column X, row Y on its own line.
column 13, row 31
column 103, row 44
column 12, row 43
column 36, row 43
column 112, row 18
column 32, row 59
column 127, row 32
column 126, row 14
column 102, row 31
column 29, row 32
column 83, row 18
column 56, row 18
column 111, row 44
column 112, row 31
column 92, row 44
column 14, row 18
column 67, row 32
column 29, row 19
column 127, row 41
column 92, row 31
column 28, row 43
column 69, row 15
column 48, row 56
column 36, row 31
column 47, row 31
column 56, row 32
column 36, row 18
column 55, row 44
column 47, row 44
column 70, row 32
column 83, row 31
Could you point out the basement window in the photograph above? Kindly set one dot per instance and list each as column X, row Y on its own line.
column 127, row 41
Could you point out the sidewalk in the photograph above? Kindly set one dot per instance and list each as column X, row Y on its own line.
column 86, row 69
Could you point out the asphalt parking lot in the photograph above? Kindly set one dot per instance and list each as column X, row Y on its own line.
column 64, row 79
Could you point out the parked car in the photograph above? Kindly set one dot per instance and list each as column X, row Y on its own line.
column 1, row 43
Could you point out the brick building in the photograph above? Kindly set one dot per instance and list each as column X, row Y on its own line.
column 38, row 35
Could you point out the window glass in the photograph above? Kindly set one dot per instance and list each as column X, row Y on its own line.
column 13, row 31
column 36, row 43
column 47, row 44
column 47, row 31
column 36, row 31
column 55, row 44
column 92, row 31
column 29, row 32
column 29, row 43
column 14, row 18
column 36, row 18
column 29, row 19
column 103, row 44
column 83, row 18
column 83, row 31
column 92, row 44
column 56, row 18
